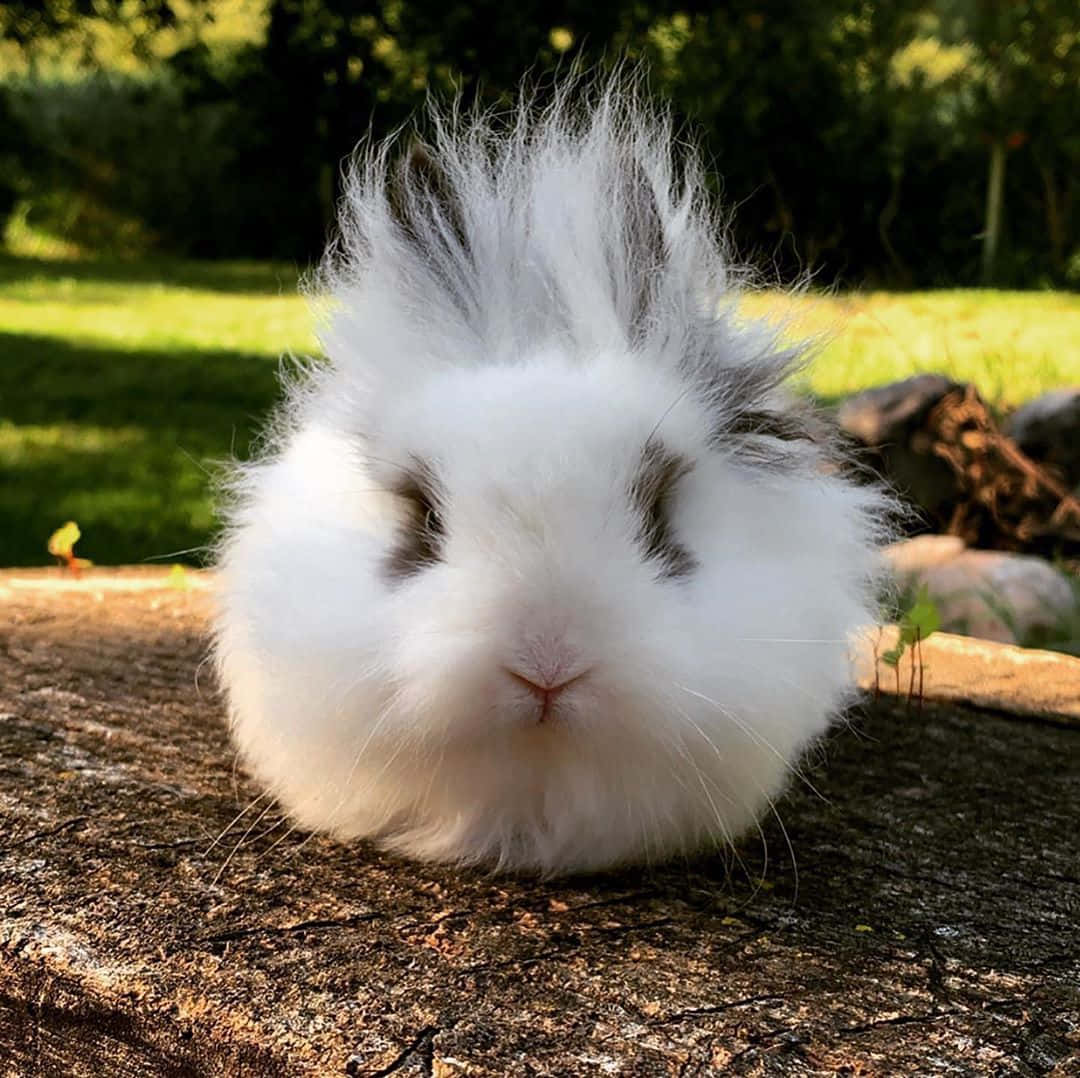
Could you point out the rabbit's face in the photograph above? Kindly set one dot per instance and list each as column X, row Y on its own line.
column 559, row 624
column 535, row 548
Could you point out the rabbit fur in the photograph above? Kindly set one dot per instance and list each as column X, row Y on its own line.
column 543, row 569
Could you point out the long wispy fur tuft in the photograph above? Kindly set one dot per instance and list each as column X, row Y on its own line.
column 584, row 223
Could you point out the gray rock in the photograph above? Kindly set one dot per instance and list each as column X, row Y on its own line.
column 985, row 593
column 1047, row 429
column 922, row 552
column 887, row 414
column 889, row 422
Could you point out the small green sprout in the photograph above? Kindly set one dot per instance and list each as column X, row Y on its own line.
column 62, row 545
column 178, row 578
column 919, row 621
column 916, row 624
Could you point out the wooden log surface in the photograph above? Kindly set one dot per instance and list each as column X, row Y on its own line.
column 930, row 927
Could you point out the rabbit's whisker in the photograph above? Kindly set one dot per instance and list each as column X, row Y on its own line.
column 755, row 737
column 239, row 843
column 235, row 820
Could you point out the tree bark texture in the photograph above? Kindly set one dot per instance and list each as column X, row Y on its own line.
column 915, row 914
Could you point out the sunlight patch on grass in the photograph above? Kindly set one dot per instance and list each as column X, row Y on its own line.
column 1012, row 345
column 122, row 315
column 124, row 385
column 20, row 443
column 22, row 238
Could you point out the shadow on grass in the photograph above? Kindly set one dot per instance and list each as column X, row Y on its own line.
column 47, row 379
column 125, row 442
column 269, row 278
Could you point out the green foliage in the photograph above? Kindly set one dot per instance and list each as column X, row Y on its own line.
column 918, row 621
column 853, row 136
column 28, row 21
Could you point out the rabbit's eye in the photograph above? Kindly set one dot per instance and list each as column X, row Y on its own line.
column 430, row 521
column 420, row 541
column 651, row 494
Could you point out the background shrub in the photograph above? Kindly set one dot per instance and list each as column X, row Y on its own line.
column 856, row 139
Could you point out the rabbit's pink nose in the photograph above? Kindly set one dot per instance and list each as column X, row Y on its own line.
column 545, row 690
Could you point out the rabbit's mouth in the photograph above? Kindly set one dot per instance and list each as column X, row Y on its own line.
column 547, row 695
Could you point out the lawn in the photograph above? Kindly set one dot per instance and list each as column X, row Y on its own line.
column 122, row 385
column 1012, row 345
column 120, row 389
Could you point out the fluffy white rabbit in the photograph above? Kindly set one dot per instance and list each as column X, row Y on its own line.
column 542, row 570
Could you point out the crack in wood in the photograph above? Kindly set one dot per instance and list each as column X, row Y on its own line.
column 899, row 1020
column 719, row 1008
column 231, row 935
column 422, row 1048
column 60, row 828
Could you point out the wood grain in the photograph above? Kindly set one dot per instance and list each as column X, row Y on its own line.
column 930, row 927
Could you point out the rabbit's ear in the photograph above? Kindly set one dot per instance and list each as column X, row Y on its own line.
column 644, row 246
column 424, row 204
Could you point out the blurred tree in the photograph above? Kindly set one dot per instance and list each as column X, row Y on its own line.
column 328, row 71
column 1025, row 89
column 845, row 133
column 797, row 101
column 27, row 21
column 16, row 144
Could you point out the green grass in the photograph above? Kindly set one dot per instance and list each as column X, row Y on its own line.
column 1012, row 345
column 122, row 384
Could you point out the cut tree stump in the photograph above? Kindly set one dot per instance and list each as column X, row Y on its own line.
column 930, row 927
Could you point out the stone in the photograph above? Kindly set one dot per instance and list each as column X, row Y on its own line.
column 994, row 595
column 938, row 445
column 922, row 552
column 985, row 673
column 886, row 421
column 1047, row 429
column 885, row 414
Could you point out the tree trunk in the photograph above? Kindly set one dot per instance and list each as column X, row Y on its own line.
column 885, row 221
column 995, row 193
column 150, row 927
column 1054, row 203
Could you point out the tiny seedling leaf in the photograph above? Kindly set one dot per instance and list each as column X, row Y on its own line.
column 62, row 545
column 916, row 623
column 892, row 656
column 920, row 619
column 62, row 541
